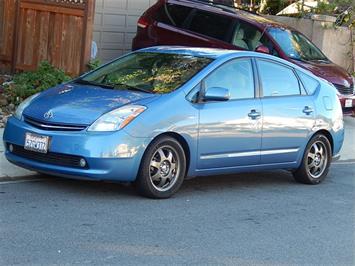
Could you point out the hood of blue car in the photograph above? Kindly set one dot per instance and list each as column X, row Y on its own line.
column 76, row 104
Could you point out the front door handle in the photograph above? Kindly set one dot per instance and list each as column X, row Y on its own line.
column 308, row 110
column 254, row 114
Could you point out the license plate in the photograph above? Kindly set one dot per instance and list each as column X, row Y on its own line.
column 349, row 103
column 37, row 143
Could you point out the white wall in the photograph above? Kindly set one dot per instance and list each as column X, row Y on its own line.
column 115, row 25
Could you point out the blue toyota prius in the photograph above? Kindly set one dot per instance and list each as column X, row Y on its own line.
column 161, row 114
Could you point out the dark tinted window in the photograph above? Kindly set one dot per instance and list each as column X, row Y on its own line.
column 237, row 76
column 249, row 37
column 277, row 80
column 173, row 14
column 308, row 82
column 296, row 46
column 211, row 25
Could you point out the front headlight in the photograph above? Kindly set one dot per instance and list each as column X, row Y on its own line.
column 23, row 105
column 117, row 119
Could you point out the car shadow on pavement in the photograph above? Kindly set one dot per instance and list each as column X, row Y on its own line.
column 206, row 184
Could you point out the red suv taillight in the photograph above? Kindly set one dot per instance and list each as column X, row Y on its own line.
column 142, row 22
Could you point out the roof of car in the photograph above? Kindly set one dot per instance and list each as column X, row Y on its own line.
column 250, row 17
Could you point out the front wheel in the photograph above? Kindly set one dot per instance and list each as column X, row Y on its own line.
column 162, row 169
column 316, row 161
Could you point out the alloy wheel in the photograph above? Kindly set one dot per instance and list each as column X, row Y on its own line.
column 317, row 159
column 164, row 168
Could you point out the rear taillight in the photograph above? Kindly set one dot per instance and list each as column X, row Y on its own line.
column 142, row 23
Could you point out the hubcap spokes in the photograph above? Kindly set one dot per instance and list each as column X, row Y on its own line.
column 317, row 159
column 163, row 168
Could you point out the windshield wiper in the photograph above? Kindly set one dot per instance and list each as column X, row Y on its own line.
column 297, row 59
column 320, row 60
column 111, row 86
column 132, row 88
column 93, row 83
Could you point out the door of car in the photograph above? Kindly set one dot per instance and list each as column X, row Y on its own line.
column 288, row 113
column 230, row 131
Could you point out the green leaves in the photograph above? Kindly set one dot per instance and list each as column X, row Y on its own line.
column 26, row 84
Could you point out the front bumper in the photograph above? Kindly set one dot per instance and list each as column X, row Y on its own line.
column 101, row 150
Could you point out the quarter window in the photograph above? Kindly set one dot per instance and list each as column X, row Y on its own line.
column 309, row 83
column 211, row 25
column 277, row 80
column 237, row 76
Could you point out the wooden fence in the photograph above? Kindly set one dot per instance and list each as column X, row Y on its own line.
column 59, row 31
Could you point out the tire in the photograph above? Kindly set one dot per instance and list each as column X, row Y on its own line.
column 162, row 169
column 315, row 162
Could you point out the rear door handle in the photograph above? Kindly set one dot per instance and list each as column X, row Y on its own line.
column 254, row 114
column 308, row 110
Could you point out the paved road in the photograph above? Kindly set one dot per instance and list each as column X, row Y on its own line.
column 244, row 219
column 248, row 219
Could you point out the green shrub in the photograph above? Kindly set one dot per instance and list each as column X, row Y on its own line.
column 93, row 64
column 28, row 83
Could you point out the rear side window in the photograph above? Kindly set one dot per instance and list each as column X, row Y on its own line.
column 172, row 14
column 211, row 25
column 308, row 82
column 277, row 80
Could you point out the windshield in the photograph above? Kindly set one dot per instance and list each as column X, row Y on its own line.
column 295, row 45
column 147, row 72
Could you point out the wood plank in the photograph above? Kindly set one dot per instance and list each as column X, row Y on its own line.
column 87, row 35
column 60, row 4
column 29, row 37
column 53, row 9
column 43, row 37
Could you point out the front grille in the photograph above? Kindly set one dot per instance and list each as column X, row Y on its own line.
column 53, row 127
column 48, row 158
column 345, row 90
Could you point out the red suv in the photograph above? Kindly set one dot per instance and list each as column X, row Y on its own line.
column 196, row 23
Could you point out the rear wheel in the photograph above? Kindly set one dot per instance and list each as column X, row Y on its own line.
column 162, row 169
column 316, row 160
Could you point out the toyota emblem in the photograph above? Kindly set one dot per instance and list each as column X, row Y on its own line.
column 48, row 115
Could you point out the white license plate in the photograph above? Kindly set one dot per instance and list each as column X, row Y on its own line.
column 36, row 143
column 349, row 103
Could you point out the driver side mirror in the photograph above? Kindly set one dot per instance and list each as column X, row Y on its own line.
column 262, row 49
column 216, row 94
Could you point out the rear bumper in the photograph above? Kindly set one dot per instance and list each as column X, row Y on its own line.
column 109, row 155
column 347, row 104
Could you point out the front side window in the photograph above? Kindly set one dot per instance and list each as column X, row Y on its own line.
column 277, row 80
column 149, row 72
column 296, row 46
column 211, row 25
column 237, row 76
column 249, row 37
